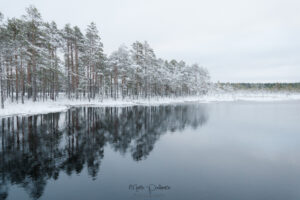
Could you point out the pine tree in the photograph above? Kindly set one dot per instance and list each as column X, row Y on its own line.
column 79, row 50
column 52, row 71
column 35, row 49
column 93, row 50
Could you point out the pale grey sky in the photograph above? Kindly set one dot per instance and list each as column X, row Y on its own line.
column 237, row 40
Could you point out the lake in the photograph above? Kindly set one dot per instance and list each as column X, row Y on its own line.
column 226, row 150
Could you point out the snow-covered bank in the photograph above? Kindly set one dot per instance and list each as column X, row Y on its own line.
column 62, row 104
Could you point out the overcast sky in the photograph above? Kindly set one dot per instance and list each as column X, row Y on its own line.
column 237, row 40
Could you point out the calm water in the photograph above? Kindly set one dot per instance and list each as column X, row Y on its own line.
column 237, row 150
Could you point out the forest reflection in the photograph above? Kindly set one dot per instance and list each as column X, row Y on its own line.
column 35, row 149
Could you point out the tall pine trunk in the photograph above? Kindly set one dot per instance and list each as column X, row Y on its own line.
column 77, row 70
column 1, row 85
column 17, row 78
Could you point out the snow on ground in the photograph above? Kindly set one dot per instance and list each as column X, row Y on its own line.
column 63, row 104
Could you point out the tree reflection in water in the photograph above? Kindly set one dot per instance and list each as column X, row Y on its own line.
column 37, row 148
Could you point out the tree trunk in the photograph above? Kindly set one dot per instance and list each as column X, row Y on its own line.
column 22, row 80
column 17, row 79
column 34, row 86
column 77, row 69
column 72, row 71
column 68, row 69
column 29, row 90
column 1, row 86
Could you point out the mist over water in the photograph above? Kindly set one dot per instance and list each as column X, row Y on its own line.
column 239, row 150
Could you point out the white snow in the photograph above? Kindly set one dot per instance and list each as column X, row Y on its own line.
column 63, row 104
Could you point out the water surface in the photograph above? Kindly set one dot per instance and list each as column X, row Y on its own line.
column 234, row 150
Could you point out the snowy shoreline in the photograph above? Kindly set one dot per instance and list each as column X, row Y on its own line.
column 63, row 104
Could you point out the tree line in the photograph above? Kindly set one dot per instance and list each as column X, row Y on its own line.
column 270, row 87
column 39, row 61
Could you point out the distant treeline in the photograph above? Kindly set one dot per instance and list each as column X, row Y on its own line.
column 292, row 87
